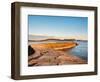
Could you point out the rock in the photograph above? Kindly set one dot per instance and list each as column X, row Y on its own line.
column 36, row 55
column 32, row 62
column 30, row 50
column 39, row 56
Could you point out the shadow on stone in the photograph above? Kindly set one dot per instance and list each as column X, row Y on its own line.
column 30, row 50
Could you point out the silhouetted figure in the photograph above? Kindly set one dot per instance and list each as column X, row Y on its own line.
column 30, row 50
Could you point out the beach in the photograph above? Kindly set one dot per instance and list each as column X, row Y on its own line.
column 48, row 54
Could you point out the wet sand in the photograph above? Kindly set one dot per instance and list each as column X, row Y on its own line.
column 53, row 54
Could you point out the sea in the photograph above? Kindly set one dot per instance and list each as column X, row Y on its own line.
column 81, row 50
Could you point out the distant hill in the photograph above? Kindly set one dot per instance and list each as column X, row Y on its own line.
column 52, row 40
column 39, row 38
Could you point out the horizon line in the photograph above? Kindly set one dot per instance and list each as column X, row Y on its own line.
column 57, row 37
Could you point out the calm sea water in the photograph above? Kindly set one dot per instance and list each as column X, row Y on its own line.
column 81, row 50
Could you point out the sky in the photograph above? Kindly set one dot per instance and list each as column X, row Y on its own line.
column 58, row 26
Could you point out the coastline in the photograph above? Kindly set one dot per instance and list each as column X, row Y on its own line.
column 53, row 54
column 56, row 46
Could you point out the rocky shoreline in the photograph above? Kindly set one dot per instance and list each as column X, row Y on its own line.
column 50, row 54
